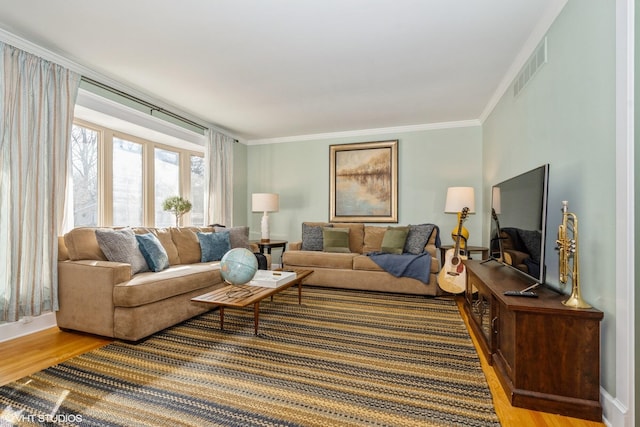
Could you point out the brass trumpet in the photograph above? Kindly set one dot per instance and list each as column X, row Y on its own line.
column 567, row 250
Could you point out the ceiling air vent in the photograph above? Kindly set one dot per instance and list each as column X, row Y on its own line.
column 533, row 64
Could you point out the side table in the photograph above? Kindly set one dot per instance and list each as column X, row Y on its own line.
column 270, row 245
column 468, row 250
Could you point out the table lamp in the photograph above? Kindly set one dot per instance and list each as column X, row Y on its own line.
column 265, row 202
column 459, row 198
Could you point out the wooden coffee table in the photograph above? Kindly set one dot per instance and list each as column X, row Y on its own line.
column 231, row 296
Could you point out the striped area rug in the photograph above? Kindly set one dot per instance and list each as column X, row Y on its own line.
column 341, row 358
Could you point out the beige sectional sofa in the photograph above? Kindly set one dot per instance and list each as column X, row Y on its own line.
column 103, row 297
column 356, row 270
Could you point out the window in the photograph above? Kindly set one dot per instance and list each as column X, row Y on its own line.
column 167, row 180
column 84, row 153
column 122, row 180
column 197, row 190
column 127, row 183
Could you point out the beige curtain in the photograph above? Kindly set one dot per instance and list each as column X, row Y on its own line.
column 218, row 191
column 36, row 112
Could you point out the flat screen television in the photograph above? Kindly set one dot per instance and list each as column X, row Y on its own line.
column 518, row 225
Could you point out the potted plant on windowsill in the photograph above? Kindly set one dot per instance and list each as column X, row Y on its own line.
column 177, row 206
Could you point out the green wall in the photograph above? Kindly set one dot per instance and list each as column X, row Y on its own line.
column 565, row 116
column 429, row 161
column 637, row 208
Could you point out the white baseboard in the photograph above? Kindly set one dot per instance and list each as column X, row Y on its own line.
column 12, row 330
column 614, row 413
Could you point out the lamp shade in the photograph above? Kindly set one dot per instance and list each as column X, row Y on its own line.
column 459, row 198
column 265, row 202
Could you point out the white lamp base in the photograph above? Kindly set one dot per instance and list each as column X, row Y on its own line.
column 264, row 227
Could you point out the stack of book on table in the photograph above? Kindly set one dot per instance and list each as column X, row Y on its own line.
column 272, row 279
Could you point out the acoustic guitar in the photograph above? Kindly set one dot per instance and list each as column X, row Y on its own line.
column 453, row 275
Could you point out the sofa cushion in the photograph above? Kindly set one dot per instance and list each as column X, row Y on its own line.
column 394, row 240
column 153, row 251
column 187, row 244
column 312, row 236
column 373, row 235
column 313, row 259
column 122, row 246
column 213, row 246
column 417, row 238
column 364, row 262
column 145, row 288
column 81, row 243
column 335, row 239
column 238, row 236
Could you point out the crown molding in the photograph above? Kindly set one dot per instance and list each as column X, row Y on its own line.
column 366, row 132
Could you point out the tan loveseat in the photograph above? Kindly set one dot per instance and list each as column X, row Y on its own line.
column 104, row 298
column 355, row 270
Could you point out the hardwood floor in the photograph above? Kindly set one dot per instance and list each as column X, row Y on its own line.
column 26, row 355
column 32, row 353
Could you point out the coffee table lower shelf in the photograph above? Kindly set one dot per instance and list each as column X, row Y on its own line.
column 244, row 295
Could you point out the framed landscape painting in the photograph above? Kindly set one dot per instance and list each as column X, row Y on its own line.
column 364, row 182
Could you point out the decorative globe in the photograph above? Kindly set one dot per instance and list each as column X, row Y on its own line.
column 238, row 266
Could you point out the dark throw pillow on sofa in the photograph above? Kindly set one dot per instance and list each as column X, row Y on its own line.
column 417, row 238
column 213, row 246
column 312, row 237
column 153, row 251
column 394, row 240
column 335, row 239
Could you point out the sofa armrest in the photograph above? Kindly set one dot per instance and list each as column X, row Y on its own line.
column 85, row 294
column 295, row 246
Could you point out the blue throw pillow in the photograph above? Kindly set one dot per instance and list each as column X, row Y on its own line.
column 153, row 252
column 213, row 246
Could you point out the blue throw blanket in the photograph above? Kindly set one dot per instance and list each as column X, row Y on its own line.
column 404, row 265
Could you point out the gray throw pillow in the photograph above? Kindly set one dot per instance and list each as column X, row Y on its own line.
column 312, row 237
column 122, row 246
column 238, row 236
column 417, row 238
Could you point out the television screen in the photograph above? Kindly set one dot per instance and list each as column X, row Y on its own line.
column 518, row 225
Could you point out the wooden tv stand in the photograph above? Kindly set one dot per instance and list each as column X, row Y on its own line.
column 546, row 355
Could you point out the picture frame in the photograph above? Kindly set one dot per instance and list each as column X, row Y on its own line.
column 364, row 182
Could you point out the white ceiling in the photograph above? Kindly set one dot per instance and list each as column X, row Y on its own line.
column 265, row 69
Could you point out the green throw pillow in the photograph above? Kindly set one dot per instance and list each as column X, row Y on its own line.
column 335, row 239
column 394, row 240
